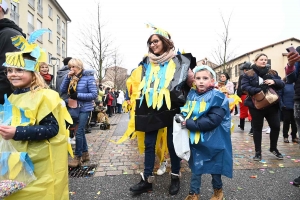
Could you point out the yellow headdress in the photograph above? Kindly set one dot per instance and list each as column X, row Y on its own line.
column 159, row 31
column 16, row 59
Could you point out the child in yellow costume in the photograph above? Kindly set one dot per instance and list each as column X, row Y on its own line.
column 38, row 124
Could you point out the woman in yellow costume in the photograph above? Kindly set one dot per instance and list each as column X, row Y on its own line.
column 38, row 122
column 157, row 89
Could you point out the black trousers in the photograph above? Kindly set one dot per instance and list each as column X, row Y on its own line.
column 289, row 119
column 272, row 116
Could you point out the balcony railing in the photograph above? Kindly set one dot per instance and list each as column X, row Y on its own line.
column 63, row 32
column 58, row 28
column 31, row 3
column 14, row 16
column 40, row 10
column 30, row 28
column 58, row 50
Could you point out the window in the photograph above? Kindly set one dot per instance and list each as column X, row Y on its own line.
column 30, row 23
column 58, row 46
column 14, row 13
column 40, row 7
column 236, row 71
column 63, row 29
column 49, row 11
column 63, row 53
column 58, row 24
column 39, row 26
column 50, row 36
column 269, row 62
column 49, row 57
column 31, row 3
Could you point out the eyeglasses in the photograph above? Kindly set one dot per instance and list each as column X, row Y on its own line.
column 153, row 42
column 17, row 71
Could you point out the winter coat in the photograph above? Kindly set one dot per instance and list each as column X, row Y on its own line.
column 295, row 78
column 212, row 154
column 61, row 75
column 120, row 98
column 86, row 90
column 110, row 99
column 114, row 101
column 287, row 96
column 8, row 29
column 250, row 84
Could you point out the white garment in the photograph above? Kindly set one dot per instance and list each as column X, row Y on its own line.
column 121, row 97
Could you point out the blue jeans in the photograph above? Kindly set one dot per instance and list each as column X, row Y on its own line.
column 119, row 107
column 150, row 142
column 81, row 144
column 196, row 182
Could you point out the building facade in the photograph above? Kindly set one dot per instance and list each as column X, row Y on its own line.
column 115, row 77
column 277, row 58
column 31, row 15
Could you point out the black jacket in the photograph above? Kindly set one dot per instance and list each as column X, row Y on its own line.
column 61, row 74
column 8, row 29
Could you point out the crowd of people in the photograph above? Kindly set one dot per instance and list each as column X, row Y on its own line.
column 165, row 88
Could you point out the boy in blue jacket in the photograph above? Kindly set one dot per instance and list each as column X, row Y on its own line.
column 207, row 117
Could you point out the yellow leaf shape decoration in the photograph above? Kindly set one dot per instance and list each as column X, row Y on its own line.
column 167, row 98
column 197, row 137
column 202, row 106
column 155, row 97
column 14, row 165
column 191, row 110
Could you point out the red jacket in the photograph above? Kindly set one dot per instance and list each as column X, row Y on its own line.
column 110, row 99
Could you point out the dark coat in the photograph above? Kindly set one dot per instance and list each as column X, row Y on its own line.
column 250, row 84
column 287, row 96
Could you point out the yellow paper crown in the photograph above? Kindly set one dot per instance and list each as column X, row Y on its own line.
column 158, row 31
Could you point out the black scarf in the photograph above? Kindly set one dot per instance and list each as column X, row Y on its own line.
column 263, row 72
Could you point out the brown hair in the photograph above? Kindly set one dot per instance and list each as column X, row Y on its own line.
column 167, row 43
column 259, row 55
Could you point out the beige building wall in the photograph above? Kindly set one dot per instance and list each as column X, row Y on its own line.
column 31, row 15
column 276, row 53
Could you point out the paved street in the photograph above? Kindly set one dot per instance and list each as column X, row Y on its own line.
column 118, row 166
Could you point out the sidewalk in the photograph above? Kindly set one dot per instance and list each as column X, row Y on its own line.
column 272, row 176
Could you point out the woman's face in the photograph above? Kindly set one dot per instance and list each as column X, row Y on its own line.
column 223, row 77
column 75, row 69
column 156, row 45
column 44, row 69
column 262, row 61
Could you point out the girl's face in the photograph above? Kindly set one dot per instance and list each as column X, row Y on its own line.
column 44, row 69
column 203, row 80
column 261, row 61
column 223, row 77
column 19, row 78
column 156, row 45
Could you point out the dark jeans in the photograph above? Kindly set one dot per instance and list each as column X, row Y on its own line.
column 196, row 182
column 109, row 110
column 81, row 144
column 272, row 116
column 297, row 115
column 288, row 119
column 119, row 106
column 150, row 141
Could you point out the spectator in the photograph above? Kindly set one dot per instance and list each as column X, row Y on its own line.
column 224, row 81
column 80, row 85
column 261, row 78
column 44, row 72
column 61, row 75
column 120, row 101
column 8, row 29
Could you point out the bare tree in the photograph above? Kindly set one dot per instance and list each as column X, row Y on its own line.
column 115, row 73
column 97, row 48
column 222, row 55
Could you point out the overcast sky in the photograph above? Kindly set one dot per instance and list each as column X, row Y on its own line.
column 194, row 25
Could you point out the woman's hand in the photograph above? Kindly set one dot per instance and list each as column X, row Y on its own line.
column 71, row 73
column 293, row 57
column 269, row 82
column 7, row 132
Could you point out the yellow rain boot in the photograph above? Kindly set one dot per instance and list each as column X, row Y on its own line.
column 218, row 194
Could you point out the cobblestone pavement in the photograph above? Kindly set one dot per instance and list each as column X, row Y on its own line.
column 120, row 159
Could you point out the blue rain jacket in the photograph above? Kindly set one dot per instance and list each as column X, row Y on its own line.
column 211, row 117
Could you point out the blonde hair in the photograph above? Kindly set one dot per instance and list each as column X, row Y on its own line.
column 37, row 82
column 76, row 63
column 43, row 64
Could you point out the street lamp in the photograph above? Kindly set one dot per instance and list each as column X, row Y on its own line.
column 53, row 61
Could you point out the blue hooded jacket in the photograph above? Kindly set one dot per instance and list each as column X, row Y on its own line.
column 213, row 153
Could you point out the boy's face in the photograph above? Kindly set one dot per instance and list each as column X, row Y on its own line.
column 203, row 80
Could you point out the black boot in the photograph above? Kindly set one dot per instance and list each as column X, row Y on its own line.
column 242, row 124
column 175, row 184
column 142, row 186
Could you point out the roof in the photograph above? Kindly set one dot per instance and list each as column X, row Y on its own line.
column 61, row 10
column 271, row 45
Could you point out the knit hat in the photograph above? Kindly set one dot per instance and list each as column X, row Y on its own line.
column 4, row 6
column 66, row 60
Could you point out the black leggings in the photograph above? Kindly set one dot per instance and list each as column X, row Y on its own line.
column 272, row 116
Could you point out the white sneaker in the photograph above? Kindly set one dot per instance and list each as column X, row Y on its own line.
column 162, row 168
column 268, row 131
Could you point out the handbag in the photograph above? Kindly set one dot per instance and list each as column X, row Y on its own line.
column 263, row 100
column 73, row 108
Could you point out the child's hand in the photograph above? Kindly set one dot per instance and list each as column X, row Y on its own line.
column 183, row 125
column 7, row 132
